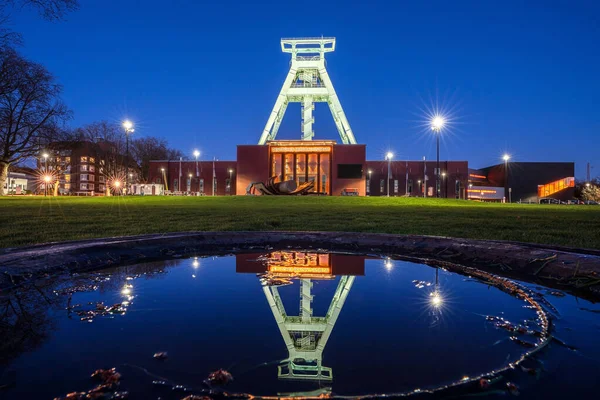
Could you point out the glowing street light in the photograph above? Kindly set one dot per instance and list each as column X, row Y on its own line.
column 437, row 123
column 128, row 126
column 197, row 155
column 587, row 184
column 47, row 179
column 389, row 157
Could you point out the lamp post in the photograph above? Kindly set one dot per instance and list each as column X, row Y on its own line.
column 445, row 184
column 45, row 155
column 46, row 182
column 437, row 123
column 196, row 155
column 128, row 126
column 506, row 157
column 389, row 157
column 369, row 182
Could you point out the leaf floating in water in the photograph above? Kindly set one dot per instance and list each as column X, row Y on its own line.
column 220, row 377
column 106, row 390
column 512, row 388
column 522, row 342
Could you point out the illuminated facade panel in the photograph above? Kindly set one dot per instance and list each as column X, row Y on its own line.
column 554, row 187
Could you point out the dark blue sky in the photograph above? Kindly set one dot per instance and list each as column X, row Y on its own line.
column 521, row 77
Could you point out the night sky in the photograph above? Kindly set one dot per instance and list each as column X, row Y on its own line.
column 520, row 77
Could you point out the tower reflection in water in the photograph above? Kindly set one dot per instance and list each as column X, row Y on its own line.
column 305, row 335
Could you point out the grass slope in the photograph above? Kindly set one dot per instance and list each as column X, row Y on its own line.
column 29, row 220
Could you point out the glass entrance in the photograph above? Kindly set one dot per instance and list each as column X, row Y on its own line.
column 303, row 167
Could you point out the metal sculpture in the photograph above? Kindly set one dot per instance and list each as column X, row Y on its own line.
column 307, row 82
column 284, row 188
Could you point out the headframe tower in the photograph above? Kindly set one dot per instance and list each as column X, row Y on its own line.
column 307, row 82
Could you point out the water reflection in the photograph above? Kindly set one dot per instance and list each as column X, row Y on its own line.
column 305, row 335
column 485, row 327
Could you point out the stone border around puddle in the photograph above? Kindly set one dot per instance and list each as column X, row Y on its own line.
column 574, row 270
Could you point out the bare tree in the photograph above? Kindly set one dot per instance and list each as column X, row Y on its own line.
column 30, row 109
column 51, row 10
column 145, row 149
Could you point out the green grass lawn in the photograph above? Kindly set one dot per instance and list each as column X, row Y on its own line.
column 29, row 220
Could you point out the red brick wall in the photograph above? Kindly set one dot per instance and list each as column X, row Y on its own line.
column 455, row 170
column 348, row 154
column 253, row 164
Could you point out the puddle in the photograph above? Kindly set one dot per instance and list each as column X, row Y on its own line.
column 295, row 324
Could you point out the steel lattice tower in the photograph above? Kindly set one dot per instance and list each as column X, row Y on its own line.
column 307, row 82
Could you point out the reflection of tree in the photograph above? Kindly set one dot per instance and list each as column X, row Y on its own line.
column 24, row 319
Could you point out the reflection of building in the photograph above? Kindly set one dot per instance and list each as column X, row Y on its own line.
column 305, row 335
column 527, row 181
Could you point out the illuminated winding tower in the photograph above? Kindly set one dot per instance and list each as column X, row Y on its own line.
column 307, row 82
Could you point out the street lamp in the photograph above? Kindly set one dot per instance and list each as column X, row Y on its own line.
column 369, row 182
column 506, row 157
column 196, row 155
column 445, row 185
column 389, row 157
column 46, row 182
column 128, row 126
column 437, row 123
column 45, row 155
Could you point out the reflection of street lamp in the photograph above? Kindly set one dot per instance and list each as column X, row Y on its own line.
column 388, row 263
column 506, row 157
column 128, row 126
column 437, row 123
column 389, row 157
column 436, row 297
column 195, row 263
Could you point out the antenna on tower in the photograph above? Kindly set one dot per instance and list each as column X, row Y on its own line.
column 307, row 83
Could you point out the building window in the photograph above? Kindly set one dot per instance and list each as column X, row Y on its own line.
column 101, row 179
column 457, row 187
column 410, row 187
column 158, row 180
column 382, row 186
column 92, row 160
column 396, row 186
column 91, row 177
column 83, row 177
column 67, row 186
column 83, row 186
column 201, row 185
column 101, row 162
column 84, row 159
column 228, row 185
column 90, row 186
column 189, row 184
column 67, row 159
column 101, row 188
column 175, row 185
column 368, row 186
column 92, row 168
column 67, row 177
column 83, row 168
